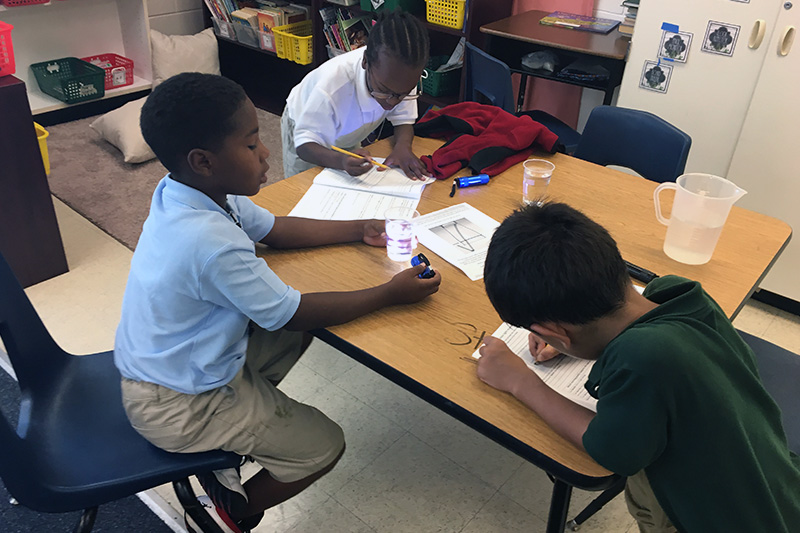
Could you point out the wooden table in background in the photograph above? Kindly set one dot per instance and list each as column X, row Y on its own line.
column 427, row 347
column 513, row 37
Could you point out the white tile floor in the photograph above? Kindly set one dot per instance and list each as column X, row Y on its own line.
column 408, row 467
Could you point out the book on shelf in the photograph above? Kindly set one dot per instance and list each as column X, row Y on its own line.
column 268, row 18
column 630, row 4
column 625, row 30
column 572, row 21
column 246, row 16
column 356, row 31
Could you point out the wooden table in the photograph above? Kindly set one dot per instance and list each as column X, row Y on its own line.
column 517, row 35
column 427, row 347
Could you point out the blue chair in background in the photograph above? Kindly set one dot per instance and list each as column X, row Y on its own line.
column 73, row 447
column 634, row 139
column 779, row 370
column 487, row 79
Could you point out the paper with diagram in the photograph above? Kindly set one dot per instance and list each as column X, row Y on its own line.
column 336, row 195
column 564, row 374
column 460, row 234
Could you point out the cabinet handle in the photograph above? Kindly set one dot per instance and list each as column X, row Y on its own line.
column 757, row 35
column 786, row 41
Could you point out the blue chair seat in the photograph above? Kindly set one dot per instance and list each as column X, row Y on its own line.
column 73, row 447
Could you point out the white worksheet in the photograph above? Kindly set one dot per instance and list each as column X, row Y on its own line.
column 336, row 195
column 460, row 234
column 564, row 374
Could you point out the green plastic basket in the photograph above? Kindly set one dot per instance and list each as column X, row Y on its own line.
column 70, row 79
column 440, row 83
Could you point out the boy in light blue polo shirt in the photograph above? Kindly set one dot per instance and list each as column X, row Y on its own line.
column 207, row 329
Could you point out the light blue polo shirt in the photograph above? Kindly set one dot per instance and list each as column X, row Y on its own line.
column 195, row 283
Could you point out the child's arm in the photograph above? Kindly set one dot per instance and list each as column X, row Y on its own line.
column 500, row 368
column 402, row 156
column 296, row 232
column 324, row 157
column 324, row 309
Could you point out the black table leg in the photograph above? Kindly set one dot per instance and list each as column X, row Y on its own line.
column 559, row 505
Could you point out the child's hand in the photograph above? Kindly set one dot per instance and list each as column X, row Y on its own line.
column 375, row 232
column 356, row 166
column 540, row 350
column 406, row 287
column 498, row 366
column 404, row 158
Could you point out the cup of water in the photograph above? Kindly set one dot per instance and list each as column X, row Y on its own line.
column 535, row 179
column 400, row 237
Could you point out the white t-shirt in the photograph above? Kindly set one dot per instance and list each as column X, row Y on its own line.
column 331, row 105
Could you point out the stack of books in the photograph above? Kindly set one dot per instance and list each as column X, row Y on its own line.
column 344, row 29
column 632, row 8
column 260, row 15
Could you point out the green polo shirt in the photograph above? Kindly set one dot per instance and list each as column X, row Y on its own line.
column 679, row 396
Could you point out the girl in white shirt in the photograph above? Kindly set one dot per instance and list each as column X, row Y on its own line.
column 344, row 99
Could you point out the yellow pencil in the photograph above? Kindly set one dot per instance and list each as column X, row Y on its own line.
column 340, row 150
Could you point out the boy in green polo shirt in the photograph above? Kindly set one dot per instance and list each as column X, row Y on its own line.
column 681, row 410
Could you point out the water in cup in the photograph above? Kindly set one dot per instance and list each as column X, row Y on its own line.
column 535, row 179
column 400, row 238
column 690, row 243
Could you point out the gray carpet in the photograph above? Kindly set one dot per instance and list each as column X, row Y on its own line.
column 89, row 175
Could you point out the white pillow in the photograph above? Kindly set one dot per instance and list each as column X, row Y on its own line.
column 121, row 128
column 174, row 54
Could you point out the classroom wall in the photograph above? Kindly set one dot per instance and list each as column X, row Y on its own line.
column 176, row 17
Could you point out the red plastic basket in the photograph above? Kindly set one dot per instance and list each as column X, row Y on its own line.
column 12, row 3
column 119, row 70
column 7, row 65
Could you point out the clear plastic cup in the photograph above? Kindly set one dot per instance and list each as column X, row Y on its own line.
column 400, row 234
column 535, row 179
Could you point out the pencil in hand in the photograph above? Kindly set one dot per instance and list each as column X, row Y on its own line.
column 351, row 154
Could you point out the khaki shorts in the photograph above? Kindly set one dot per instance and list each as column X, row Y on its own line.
column 644, row 507
column 248, row 416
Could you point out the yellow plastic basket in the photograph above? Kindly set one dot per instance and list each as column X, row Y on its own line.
column 294, row 42
column 41, row 135
column 448, row 13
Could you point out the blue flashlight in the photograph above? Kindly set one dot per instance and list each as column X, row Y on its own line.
column 469, row 181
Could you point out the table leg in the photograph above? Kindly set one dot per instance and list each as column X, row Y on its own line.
column 523, row 83
column 559, row 505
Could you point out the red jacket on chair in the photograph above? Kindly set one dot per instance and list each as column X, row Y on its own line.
column 484, row 137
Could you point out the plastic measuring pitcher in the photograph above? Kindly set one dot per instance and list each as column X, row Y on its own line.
column 701, row 206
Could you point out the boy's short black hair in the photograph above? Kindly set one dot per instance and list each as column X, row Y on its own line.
column 552, row 263
column 400, row 34
column 189, row 111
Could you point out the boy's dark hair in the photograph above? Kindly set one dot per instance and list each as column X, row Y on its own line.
column 553, row 264
column 400, row 34
column 189, row 111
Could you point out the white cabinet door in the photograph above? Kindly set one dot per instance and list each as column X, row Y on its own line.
column 766, row 161
column 709, row 94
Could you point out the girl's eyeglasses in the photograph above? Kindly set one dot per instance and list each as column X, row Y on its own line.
column 395, row 96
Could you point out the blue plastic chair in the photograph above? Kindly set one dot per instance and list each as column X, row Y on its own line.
column 73, row 447
column 779, row 370
column 634, row 139
column 487, row 78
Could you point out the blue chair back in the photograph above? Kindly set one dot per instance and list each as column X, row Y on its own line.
column 634, row 139
column 780, row 373
column 489, row 77
column 73, row 447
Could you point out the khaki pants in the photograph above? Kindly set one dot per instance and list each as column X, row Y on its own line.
column 644, row 507
column 248, row 416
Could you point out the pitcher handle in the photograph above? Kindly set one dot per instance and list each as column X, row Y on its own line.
column 659, row 216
